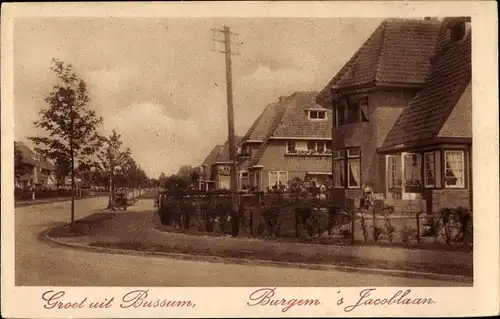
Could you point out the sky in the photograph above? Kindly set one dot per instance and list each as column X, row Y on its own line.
column 157, row 82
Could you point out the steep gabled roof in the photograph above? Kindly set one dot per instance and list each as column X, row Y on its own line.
column 398, row 52
column 29, row 157
column 291, row 120
column 212, row 156
column 431, row 107
column 276, row 120
column 296, row 123
column 223, row 155
column 261, row 125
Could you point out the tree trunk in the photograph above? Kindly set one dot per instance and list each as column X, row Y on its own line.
column 72, row 185
column 110, row 186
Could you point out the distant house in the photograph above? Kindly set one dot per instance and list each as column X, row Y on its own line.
column 205, row 182
column 402, row 115
column 216, row 168
column 31, row 169
column 291, row 139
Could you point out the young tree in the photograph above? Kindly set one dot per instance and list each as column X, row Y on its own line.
column 71, row 124
column 110, row 160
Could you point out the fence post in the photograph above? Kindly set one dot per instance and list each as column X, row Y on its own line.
column 418, row 227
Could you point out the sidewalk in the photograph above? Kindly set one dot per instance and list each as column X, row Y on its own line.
column 135, row 230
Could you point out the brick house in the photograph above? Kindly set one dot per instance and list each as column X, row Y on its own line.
column 31, row 170
column 216, row 168
column 402, row 115
column 205, row 182
column 290, row 139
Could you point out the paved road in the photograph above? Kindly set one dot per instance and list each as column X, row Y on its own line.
column 41, row 263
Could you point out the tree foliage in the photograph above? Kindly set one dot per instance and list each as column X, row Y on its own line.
column 111, row 156
column 70, row 123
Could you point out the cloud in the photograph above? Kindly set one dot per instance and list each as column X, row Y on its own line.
column 158, row 142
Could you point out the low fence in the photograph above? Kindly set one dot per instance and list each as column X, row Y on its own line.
column 259, row 216
column 24, row 195
column 448, row 226
column 308, row 218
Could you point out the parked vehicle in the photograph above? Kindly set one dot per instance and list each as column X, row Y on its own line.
column 120, row 201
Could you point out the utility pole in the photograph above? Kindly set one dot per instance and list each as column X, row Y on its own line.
column 227, row 50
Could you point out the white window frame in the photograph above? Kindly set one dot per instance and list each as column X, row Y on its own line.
column 393, row 169
column 317, row 118
column 433, row 169
column 462, row 156
column 278, row 180
column 315, row 149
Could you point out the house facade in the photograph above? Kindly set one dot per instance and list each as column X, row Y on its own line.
column 402, row 116
column 216, row 168
column 31, row 170
column 290, row 140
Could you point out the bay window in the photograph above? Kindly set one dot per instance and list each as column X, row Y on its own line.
column 454, row 174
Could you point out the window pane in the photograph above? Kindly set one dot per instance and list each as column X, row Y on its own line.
column 341, row 109
column 338, row 174
column 429, row 170
column 353, row 113
column 320, row 146
column 353, row 152
column 354, row 173
column 273, row 179
column 329, row 145
column 311, row 145
column 313, row 114
column 364, row 110
column 437, row 166
column 454, row 171
column 291, row 147
column 321, row 114
column 394, row 171
column 283, row 178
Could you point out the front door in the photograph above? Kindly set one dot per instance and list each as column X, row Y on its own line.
column 412, row 176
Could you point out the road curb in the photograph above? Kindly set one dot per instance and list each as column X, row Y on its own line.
column 258, row 262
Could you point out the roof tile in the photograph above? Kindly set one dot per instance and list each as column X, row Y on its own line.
column 397, row 52
column 428, row 111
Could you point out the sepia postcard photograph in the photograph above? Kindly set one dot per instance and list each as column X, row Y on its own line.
column 256, row 159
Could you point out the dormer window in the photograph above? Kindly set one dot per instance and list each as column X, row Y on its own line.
column 317, row 115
